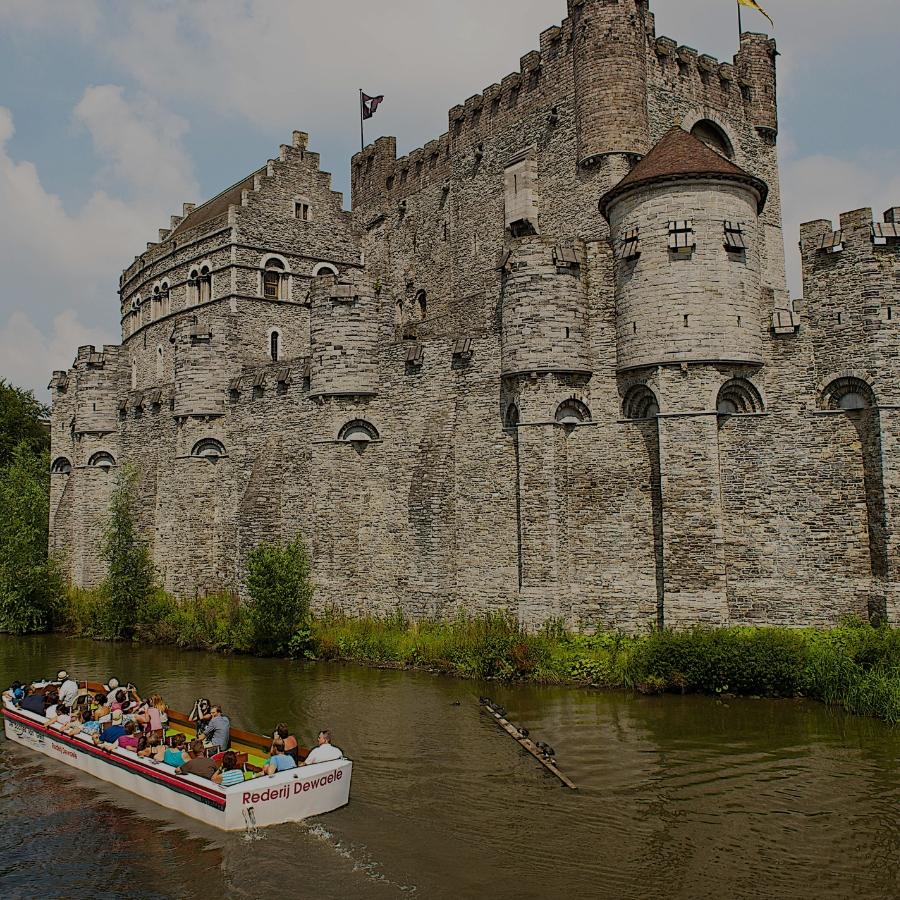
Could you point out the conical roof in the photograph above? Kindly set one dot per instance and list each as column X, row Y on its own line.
column 677, row 156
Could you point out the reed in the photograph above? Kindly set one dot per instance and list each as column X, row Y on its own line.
column 855, row 666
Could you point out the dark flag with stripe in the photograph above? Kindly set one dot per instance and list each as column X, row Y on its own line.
column 370, row 104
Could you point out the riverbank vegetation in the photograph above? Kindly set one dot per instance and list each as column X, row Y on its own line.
column 856, row 666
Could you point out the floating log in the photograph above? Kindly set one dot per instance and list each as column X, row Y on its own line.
column 521, row 738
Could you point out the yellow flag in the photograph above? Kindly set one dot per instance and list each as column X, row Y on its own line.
column 754, row 5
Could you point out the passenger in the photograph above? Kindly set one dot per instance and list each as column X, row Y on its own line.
column 324, row 752
column 150, row 715
column 198, row 764
column 176, row 755
column 77, row 720
column 100, row 709
column 229, row 774
column 68, row 687
column 279, row 759
column 218, row 731
column 129, row 740
column 201, row 713
column 16, row 693
column 36, row 701
column 51, row 701
column 89, row 725
column 149, row 745
column 291, row 747
column 111, row 688
column 60, row 718
column 109, row 737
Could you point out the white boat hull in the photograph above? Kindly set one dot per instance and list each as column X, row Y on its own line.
column 285, row 797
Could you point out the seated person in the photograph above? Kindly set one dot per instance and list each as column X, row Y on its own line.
column 229, row 774
column 129, row 740
column 85, row 723
column 201, row 713
column 218, row 731
column 51, row 701
column 35, row 701
column 291, row 747
column 61, row 718
column 150, row 746
column 324, row 752
column 100, row 708
column 175, row 755
column 68, row 688
column 198, row 764
column 16, row 693
column 109, row 737
column 111, row 688
column 279, row 759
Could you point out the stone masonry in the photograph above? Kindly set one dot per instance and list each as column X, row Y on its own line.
column 547, row 364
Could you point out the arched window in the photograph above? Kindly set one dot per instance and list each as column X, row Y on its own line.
column 714, row 137
column 358, row 432
column 165, row 307
column 849, row 394
column 61, row 466
column 421, row 305
column 274, row 338
column 208, row 448
column 156, row 309
column 572, row 412
column 102, row 460
column 640, row 403
column 193, row 296
column 324, row 269
column 512, row 418
column 204, row 284
column 273, row 279
column 738, row 397
column 398, row 313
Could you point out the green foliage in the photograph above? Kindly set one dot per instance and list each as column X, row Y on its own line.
column 30, row 586
column 21, row 423
column 131, row 576
column 280, row 589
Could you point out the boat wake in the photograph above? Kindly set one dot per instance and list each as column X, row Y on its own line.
column 358, row 857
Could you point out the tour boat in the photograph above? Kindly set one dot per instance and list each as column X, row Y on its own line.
column 289, row 796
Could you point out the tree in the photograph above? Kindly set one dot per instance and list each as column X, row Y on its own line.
column 21, row 422
column 30, row 586
column 280, row 588
column 131, row 577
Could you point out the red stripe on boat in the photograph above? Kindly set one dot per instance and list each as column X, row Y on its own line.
column 150, row 772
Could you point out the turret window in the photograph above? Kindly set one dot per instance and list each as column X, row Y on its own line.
column 358, row 432
column 208, row 448
column 739, row 397
column 572, row 412
column 640, row 403
column 681, row 237
column 274, row 346
column 630, row 246
column 849, row 394
column 735, row 240
column 61, row 466
column 102, row 460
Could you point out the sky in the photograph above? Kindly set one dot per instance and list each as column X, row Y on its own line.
column 115, row 112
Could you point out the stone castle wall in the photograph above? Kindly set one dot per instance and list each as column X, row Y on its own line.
column 477, row 404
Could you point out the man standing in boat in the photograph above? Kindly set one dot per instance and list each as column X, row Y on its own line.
column 218, row 730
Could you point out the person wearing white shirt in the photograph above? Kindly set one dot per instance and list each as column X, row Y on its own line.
column 68, row 688
column 324, row 752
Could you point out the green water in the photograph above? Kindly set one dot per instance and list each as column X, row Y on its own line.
column 679, row 797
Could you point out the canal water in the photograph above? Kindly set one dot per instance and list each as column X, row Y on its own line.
column 679, row 797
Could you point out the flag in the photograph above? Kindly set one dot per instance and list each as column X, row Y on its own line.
column 370, row 105
column 754, row 5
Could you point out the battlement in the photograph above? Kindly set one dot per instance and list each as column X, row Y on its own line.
column 857, row 231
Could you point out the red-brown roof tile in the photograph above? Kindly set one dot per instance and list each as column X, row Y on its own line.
column 679, row 155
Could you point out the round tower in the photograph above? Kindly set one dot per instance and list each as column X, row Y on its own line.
column 344, row 324
column 610, row 67
column 684, row 226
column 544, row 310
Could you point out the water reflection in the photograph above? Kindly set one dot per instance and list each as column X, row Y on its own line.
column 678, row 797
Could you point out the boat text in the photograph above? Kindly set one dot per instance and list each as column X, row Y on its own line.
column 285, row 791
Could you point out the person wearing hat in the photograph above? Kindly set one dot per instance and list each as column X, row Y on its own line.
column 109, row 738
column 68, row 688
column 111, row 689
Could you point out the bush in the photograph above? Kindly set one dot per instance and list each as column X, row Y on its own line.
column 280, row 589
column 30, row 586
column 131, row 576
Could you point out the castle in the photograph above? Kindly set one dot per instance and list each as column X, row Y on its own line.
column 548, row 364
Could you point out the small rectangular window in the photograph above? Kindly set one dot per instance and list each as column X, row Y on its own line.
column 681, row 236
column 630, row 246
column 734, row 237
column 301, row 210
column 403, row 176
column 832, row 242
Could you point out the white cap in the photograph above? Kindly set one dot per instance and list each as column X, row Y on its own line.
column 113, row 683
column 117, row 715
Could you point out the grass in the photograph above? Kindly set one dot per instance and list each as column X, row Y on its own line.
column 855, row 666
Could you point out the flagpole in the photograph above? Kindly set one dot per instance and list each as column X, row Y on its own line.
column 362, row 137
column 740, row 22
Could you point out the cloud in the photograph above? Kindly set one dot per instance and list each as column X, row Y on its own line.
column 55, row 261
column 30, row 353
